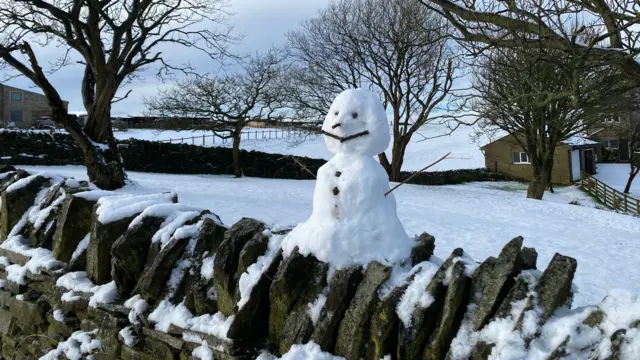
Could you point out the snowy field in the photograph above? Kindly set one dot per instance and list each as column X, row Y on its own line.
column 616, row 175
column 465, row 154
column 481, row 218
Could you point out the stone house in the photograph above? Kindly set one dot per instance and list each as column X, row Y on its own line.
column 22, row 108
column 572, row 157
column 614, row 135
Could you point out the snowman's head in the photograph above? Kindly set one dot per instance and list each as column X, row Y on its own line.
column 356, row 124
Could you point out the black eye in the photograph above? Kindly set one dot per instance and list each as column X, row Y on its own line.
column 354, row 115
column 336, row 113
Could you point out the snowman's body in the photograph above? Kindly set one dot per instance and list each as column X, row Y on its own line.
column 353, row 222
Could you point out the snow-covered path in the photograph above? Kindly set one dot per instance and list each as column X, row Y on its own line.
column 606, row 244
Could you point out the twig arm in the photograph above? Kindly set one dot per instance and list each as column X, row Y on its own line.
column 416, row 173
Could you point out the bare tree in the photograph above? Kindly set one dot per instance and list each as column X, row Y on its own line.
column 513, row 87
column 397, row 48
column 585, row 30
column 115, row 41
column 633, row 134
column 229, row 100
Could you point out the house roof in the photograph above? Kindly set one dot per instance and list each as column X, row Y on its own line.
column 575, row 140
column 579, row 140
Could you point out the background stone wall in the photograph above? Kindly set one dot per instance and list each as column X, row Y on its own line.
column 24, row 148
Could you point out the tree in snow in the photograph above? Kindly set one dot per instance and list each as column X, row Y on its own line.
column 114, row 41
column 634, row 148
column 593, row 33
column 397, row 48
column 514, row 87
column 230, row 100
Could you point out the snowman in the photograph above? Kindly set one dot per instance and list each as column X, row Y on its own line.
column 353, row 222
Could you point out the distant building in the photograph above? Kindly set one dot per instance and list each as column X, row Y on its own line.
column 572, row 157
column 22, row 108
column 614, row 135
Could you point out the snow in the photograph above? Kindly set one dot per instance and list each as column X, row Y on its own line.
column 58, row 315
column 77, row 281
column 315, row 308
column 80, row 281
column 616, row 176
column 104, row 294
column 308, row 351
column 166, row 314
column 75, row 347
column 127, row 336
column 163, row 211
column 40, row 258
column 82, row 246
column 206, row 271
column 171, row 224
column 4, row 261
column 138, row 305
column 93, row 195
column 254, row 272
column 116, row 208
column 415, row 295
column 177, row 274
column 479, row 220
column 37, row 215
column 203, row 352
column 23, row 182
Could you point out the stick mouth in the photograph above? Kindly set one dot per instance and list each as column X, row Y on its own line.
column 346, row 138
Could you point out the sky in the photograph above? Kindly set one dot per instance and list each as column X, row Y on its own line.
column 264, row 24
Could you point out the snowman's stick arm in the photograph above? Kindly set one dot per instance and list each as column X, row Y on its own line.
column 416, row 173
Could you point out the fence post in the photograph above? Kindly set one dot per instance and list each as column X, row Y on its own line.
column 638, row 205
column 626, row 207
column 203, row 142
column 193, row 140
column 605, row 192
column 170, row 140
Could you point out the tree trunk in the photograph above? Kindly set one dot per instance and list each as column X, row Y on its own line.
column 384, row 161
column 237, row 166
column 536, row 188
column 632, row 175
column 104, row 164
column 394, row 169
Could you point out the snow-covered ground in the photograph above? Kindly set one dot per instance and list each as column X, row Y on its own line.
column 465, row 154
column 616, row 175
column 477, row 217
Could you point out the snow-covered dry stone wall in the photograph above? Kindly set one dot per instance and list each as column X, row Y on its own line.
column 88, row 273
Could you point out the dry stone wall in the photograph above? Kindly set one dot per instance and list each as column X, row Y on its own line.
column 92, row 273
column 28, row 148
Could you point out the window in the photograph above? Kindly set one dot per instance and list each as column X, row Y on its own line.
column 16, row 96
column 609, row 144
column 16, row 116
column 520, row 157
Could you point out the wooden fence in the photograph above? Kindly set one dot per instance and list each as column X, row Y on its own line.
column 223, row 139
column 609, row 196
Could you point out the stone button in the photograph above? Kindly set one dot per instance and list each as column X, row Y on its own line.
column 336, row 191
column 338, row 173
